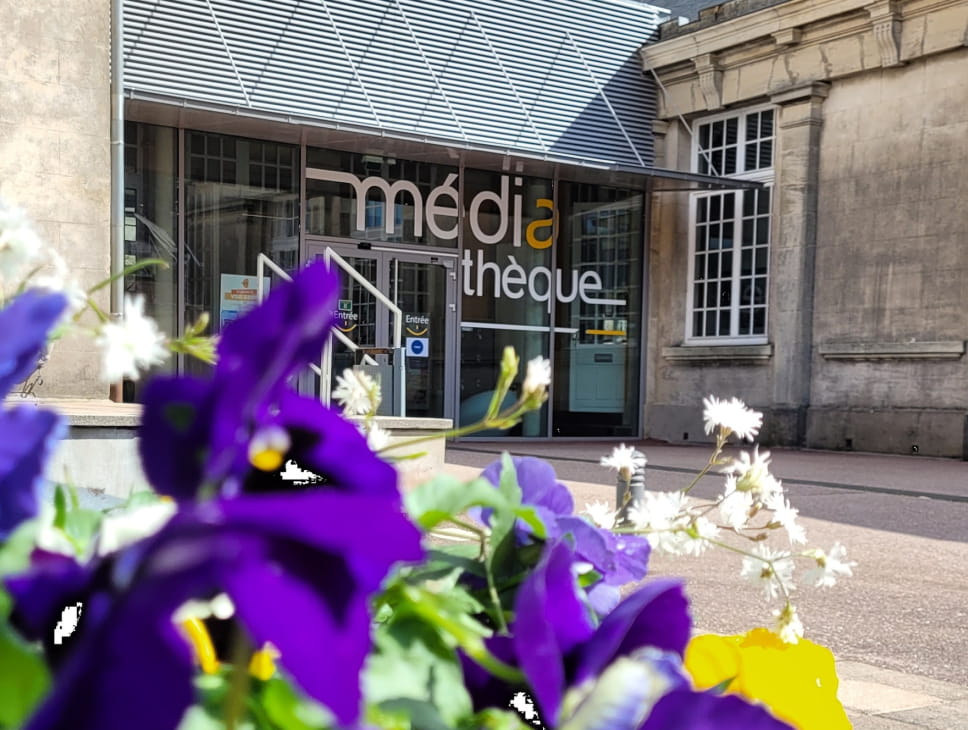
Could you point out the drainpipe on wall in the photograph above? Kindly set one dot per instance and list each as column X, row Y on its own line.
column 117, row 170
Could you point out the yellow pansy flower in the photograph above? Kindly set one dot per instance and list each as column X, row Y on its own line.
column 798, row 682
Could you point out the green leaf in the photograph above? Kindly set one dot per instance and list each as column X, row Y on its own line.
column 197, row 718
column 72, row 492
column 441, row 568
column 529, row 515
column 413, row 671
column 60, row 507
column 409, row 713
column 721, row 687
column 508, row 483
column 80, row 527
column 141, row 498
column 492, row 719
column 15, row 552
column 25, row 680
column 288, row 709
column 446, row 497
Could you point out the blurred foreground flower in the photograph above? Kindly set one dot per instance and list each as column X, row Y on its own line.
column 294, row 564
column 27, row 433
column 797, row 682
column 623, row 674
column 618, row 559
column 131, row 345
column 230, row 433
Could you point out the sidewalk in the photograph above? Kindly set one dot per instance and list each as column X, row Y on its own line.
column 875, row 698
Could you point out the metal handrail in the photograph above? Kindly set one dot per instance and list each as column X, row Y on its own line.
column 330, row 256
column 325, row 368
column 260, row 268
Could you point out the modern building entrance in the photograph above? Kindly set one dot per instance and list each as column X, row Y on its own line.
column 424, row 286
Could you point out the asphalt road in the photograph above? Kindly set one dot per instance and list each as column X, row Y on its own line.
column 903, row 519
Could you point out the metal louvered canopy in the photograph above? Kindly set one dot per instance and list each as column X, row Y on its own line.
column 549, row 78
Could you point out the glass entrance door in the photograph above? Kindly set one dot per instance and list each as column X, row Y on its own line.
column 424, row 287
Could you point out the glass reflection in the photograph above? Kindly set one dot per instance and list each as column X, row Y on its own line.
column 150, row 227
column 414, row 213
column 598, row 333
column 241, row 199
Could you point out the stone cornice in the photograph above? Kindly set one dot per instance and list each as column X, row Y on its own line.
column 706, row 353
column 785, row 25
column 736, row 32
column 762, row 55
column 947, row 350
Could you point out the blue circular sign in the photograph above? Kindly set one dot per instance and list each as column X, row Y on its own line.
column 416, row 347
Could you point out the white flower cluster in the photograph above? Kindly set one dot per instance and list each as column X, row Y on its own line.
column 357, row 393
column 751, row 506
column 731, row 416
column 537, row 377
column 131, row 345
column 128, row 346
column 625, row 460
column 26, row 262
column 673, row 523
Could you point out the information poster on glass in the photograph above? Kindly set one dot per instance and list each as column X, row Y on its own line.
column 238, row 293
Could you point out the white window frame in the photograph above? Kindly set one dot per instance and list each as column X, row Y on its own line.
column 763, row 175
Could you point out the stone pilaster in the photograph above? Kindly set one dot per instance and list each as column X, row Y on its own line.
column 797, row 157
column 660, row 129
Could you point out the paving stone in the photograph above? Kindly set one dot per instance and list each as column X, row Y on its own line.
column 876, row 722
column 876, row 697
column 945, row 716
column 860, row 671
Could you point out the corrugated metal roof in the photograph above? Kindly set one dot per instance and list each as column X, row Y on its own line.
column 557, row 79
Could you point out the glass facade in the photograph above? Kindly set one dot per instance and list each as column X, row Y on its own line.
column 506, row 265
column 598, row 316
column 151, row 225
column 477, row 260
column 396, row 212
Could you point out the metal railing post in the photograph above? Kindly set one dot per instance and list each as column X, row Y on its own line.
column 629, row 495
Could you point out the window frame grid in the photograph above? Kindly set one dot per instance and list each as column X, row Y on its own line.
column 763, row 175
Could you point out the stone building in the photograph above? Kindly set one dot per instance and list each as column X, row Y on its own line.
column 55, row 103
column 764, row 202
column 835, row 298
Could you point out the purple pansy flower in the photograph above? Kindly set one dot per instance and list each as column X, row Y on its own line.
column 199, row 431
column 27, row 433
column 296, row 566
column 555, row 643
column 620, row 559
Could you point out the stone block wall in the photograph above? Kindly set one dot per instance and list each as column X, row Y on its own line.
column 891, row 308
column 55, row 150
column 868, row 318
column 678, row 378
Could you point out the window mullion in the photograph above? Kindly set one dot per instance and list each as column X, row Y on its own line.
column 737, row 263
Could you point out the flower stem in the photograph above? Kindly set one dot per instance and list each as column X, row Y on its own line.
column 721, row 437
column 492, row 588
column 239, row 681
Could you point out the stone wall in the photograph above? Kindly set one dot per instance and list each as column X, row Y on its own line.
column 677, row 377
column 868, row 307
column 891, row 315
column 54, row 150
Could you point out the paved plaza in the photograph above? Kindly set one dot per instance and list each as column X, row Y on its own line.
column 899, row 627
